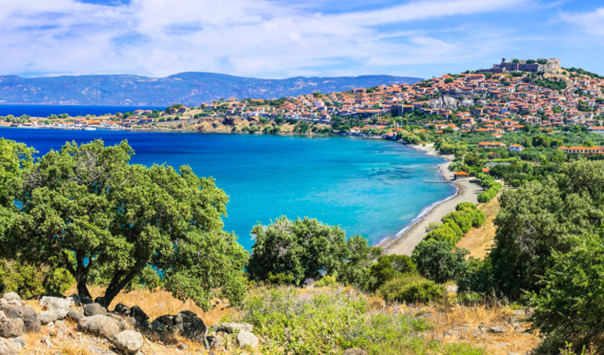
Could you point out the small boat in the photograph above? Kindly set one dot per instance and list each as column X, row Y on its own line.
column 89, row 129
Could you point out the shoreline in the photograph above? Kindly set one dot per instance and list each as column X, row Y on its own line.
column 405, row 241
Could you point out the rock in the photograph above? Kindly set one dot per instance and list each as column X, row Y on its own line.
column 94, row 309
column 64, row 329
column 100, row 324
column 11, row 296
column 214, row 342
column 452, row 288
column 355, row 351
column 519, row 313
column 309, row 283
column 128, row 341
column 18, row 340
column 166, row 320
column 496, row 330
column 74, row 300
column 47, row 317
column 15, row 303
column 120, row 320
column 139, row 314
column 12, row 329
column 122, row 309
column 158, row 327
column 29, row 316
column 196, row 330
column 8, row 347
column 246, row 339
column 234, row 327
column 59, row 306
column 86, row 300
column 46, row 342
column 75, row 315
column 3, row 301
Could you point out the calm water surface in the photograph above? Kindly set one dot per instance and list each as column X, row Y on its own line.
column 368, row 187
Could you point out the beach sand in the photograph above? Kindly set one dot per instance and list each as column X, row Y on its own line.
column 466, row 192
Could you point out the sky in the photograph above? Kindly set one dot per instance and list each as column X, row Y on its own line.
column 286, row 38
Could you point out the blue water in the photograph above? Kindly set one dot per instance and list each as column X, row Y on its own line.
column 72, row 110
column 368, row 187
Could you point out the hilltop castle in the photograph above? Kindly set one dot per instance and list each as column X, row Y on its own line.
column 548, row 66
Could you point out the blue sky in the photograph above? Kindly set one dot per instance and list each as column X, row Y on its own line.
column 281, row 38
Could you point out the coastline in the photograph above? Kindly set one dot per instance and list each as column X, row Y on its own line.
column 405, row 241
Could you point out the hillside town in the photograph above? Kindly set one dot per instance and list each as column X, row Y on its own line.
column 499, row 100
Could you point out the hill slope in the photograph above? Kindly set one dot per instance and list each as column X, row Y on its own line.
column 186, row 88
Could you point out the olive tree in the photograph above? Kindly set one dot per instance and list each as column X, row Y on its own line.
column 87, row 209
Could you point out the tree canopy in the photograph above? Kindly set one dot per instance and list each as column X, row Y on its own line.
column 87, row 209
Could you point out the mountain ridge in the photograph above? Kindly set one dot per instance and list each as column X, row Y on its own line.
column 189, row 88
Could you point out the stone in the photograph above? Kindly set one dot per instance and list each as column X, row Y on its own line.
column 122, row 309
column 59, row 306
column 139, row 314
column 8, row 347
column 12, row 329
column 11, row 296
column 128, row 341
column 15, row 303
column 120, row 320
column 234, row 327
column 3, row 301
column 94, row 309
column 64, row 329
column 46, row 342
column 29, row 316
column 496, row 330
column 196, row 330
column 47, row 317
column 214, row 342
column 101, row 325
column 355, row 351
column 75, row 315
column 74, row 300
column 86, row 300
column 166, row 320
column 18, row 340
column 246, row 339
column 158, row 327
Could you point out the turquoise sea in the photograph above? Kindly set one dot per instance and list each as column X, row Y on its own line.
column 370, row 187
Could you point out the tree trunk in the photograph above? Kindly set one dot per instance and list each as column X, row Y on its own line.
column 83, row 288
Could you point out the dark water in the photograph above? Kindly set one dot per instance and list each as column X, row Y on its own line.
column 73, row 111
column 369, row 187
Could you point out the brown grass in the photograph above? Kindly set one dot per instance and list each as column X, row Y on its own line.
column 478, row 241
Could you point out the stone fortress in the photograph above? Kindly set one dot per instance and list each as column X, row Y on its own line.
column 547, row 66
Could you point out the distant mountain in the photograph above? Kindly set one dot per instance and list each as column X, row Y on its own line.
column 186, row 88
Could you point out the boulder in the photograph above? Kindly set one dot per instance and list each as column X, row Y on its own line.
column 214, row 342
column 234, row 327
column 101, row 325
column 18, row 340
column 74, row 300
column 12, row 329
column 94, row 309
column 47, row 317
column 11, row 296
column 8, row 347
column 496, row 330
column 75, row 315
column 120, row 320
column 16, row 303
column 355, row 351
column 57, row 305
column 195, row 330
column 85, row 300
column 29, row 316
column 122, row 310
column 128, row 341
column 246, row 339
column 64, row 329
column 139, row 314
column 3, row 301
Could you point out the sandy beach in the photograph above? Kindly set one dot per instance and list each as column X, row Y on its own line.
column 466, row 192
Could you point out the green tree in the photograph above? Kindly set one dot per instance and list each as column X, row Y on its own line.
column 389, row 267
column 299, row 249
column 86, row 209
column 538, row 218
column 437, row 261
column 570, row 305
column 356, row 267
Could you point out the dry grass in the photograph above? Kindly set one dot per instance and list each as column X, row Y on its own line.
column 478, row 241
column 459, row 324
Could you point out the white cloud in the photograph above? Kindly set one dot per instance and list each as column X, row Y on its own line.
column 590, row 22
column 244, row 37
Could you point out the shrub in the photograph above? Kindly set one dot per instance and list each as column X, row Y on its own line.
column 388, row 267
column 489, row 194
column 516, row 183
column 411, row 288
column 569, row 306
column 30, row 281
column 437, row 261
column 328, row 281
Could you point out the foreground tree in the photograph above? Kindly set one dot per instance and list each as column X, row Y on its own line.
column 439, row 262
column 85, row 208
column 538, row 218
column 570, row 306
column 296, row 250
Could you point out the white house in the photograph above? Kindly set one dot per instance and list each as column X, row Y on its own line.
column 516, row 148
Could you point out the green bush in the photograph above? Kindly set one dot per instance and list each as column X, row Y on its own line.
column 516, row 183
column 30, row 281
column 439, row 262
column 331, row 321
column 489, row 194
column 388, row 267
column 328, row 281
column 411, row 288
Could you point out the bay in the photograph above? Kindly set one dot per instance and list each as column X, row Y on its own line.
column 370, row 187
column 71, row 110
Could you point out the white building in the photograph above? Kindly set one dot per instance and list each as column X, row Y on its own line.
column 516, row 148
